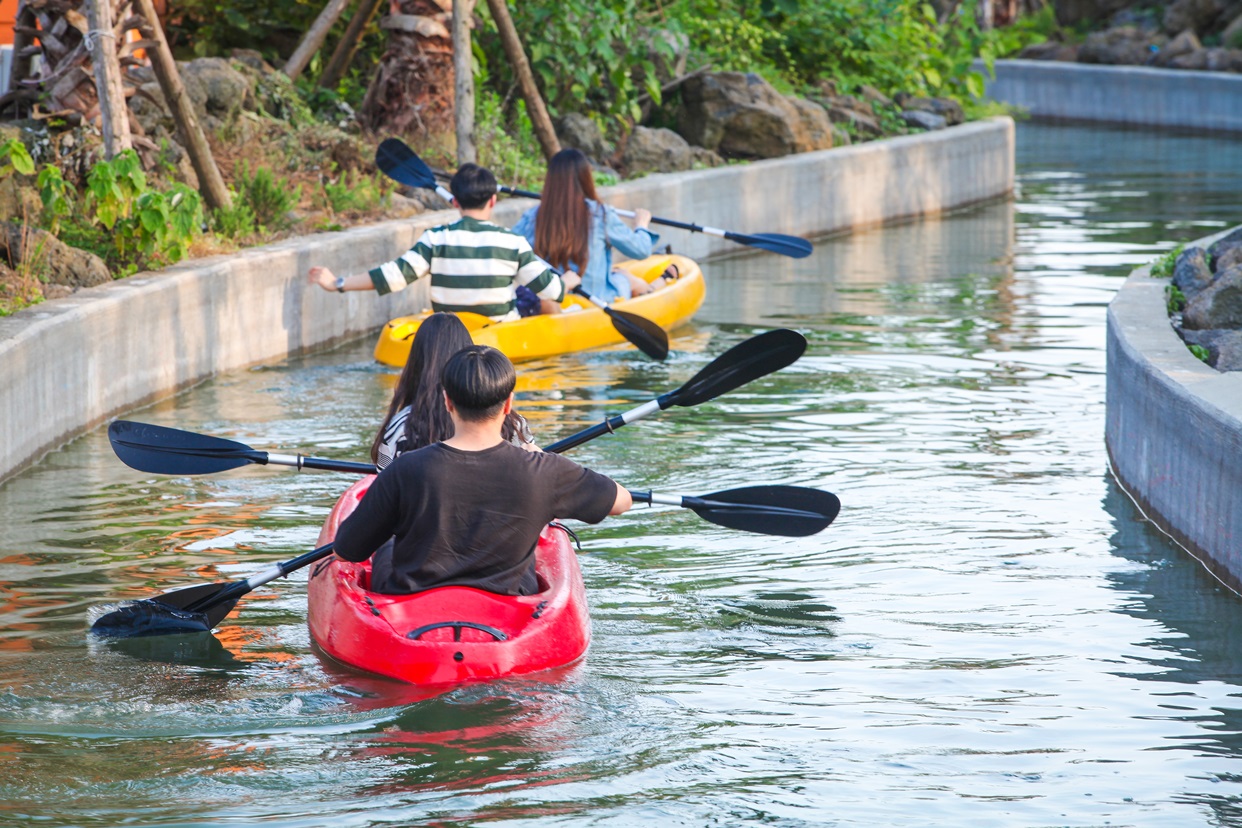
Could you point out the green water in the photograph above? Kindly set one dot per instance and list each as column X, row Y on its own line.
column 988, row 635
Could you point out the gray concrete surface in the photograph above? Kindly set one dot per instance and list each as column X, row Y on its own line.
column 1133, row 95
column 1174, row 428
column 68, row 365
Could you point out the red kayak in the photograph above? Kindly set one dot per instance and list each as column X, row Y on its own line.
column 448, row 635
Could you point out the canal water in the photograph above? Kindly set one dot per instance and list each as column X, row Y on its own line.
column 989, row 634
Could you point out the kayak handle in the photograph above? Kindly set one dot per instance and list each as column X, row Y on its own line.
column 457, row 626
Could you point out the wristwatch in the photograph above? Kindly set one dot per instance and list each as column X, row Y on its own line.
column 340, row 284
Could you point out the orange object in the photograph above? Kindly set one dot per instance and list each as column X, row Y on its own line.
column 8, row 17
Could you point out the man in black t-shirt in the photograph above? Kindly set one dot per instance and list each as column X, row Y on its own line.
column 468, row 511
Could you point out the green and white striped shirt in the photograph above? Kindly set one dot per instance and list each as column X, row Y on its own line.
column 475, row 266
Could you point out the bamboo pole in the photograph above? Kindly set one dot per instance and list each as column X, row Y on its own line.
column 315, row 36
column 535, row 107
column 210, row 182
column 463, row 82
column 113, row 113
column 344, row 52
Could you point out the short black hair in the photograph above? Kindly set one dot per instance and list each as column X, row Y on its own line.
column 472, row 186
column 478, row 379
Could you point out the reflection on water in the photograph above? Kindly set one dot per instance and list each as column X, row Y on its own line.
column 987, row 635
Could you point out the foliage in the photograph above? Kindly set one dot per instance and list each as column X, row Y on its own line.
column 1162, row 268
column 354, row 192
column 234, row 222
column 1174, row 299
column 21, row 286
column 1200, row 353
column 57, row 196
column 269, row 197
column 513, row 155
column 592, row 55
column 14, row 157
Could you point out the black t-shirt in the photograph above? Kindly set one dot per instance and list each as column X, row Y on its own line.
column 470, row 518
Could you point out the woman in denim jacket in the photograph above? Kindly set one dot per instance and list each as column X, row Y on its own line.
column 573, row 230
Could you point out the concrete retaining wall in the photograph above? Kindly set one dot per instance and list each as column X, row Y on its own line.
column 1174, row 428
column 70, row 364
column 1134, row 95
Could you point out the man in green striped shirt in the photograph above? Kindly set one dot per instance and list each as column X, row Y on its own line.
column 475, row 264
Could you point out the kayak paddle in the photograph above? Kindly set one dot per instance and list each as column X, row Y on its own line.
column 161, row 450
column 788, row 511
column 791, row 511
column 756, row 357
column 194, row 609
column 401, row 164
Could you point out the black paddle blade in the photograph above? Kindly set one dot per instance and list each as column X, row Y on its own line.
column 789, row 511
column 401, row 164
column 180, row 611
column 152, row 448
column 756, row 357
column 646, row 335
column 778, row 243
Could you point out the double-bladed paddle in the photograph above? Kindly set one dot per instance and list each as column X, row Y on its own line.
column 787, row 511
column 644, row 334
column 162, row 450
column 402, row 164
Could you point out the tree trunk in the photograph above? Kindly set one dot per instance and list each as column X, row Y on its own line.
column 314, row 38
column 463, row 73
column 344, row 52
column 412, row 93
column 113, row 113
column 526, row 80
column 210, row 182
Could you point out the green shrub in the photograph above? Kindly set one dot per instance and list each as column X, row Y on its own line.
column 355, row 192
column 234, row 222
column 1162, row 268
column 1174, row 299
column 268, row 196
column 14, row 157
column 1202, row 354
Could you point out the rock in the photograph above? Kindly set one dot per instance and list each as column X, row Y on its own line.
column 1228, row 240
column 1183, row 44
column 149, row 109
column 1050, row 50
column 1217, row 306
column 874, row 97
column 841, row 136
column 919, row 119
column 20, row 197
column 56, row 291
column 1231, row 37
column 946, row 108
column 740, row 115
column 1126, row 45
column 1191, row 14
column 1210, row 60
column 700, row 158
column 1191, row 274
column 1228, row 256
column 656, row 150
column 580, row 132
column 862, row 124
column 1224, row 347
column 815, row 124
column 218, row 91
column 56, row 261
column 254, row 60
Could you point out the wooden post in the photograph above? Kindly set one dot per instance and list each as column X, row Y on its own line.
column 113, row 113
column 463, row 82
column 210, row 182
column 314, row 38
column 526, row 81
column 344, row 52
column 26, row 23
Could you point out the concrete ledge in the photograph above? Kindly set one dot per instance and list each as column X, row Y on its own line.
column 70, row 364
column 1174, row 428
column 1134, row 95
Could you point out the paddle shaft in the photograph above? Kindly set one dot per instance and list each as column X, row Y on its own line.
column 299, row 461
column 681, row 225
column 277, row 570
column 696, row 503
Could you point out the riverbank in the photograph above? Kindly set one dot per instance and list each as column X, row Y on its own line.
column 70, row 364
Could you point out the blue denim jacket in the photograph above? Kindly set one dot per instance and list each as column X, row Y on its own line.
column 607, row 231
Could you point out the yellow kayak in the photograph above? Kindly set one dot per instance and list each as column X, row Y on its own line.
column 580, row 327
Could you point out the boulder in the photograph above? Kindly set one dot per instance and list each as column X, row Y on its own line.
column 946, row 108
column 1224, row 347
column 1191, row 14
column 1210, row 60
column 862, row 124
column 1228, row 257
column 740, row 115
column 1228, row 240
column 874, row 97
column 580, row 132
column 218, row 91
column 1050, row 50
column 1219, row 305
column 656, row 150
column 55, row 261
column 815, row 124
column 919, row 119
column 1182, row 45
column 253, row 59
column 1126, row 45
column 700, row 158
column 1191, row 274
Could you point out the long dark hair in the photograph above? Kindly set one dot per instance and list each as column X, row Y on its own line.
column 439, row 337
column 563, row 223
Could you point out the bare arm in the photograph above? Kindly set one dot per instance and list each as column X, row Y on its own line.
column 623, row 501
column 326, row 279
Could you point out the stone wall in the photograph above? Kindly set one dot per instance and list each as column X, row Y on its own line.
column 1132, row 95
column 1174, row 428
column 70, row 364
